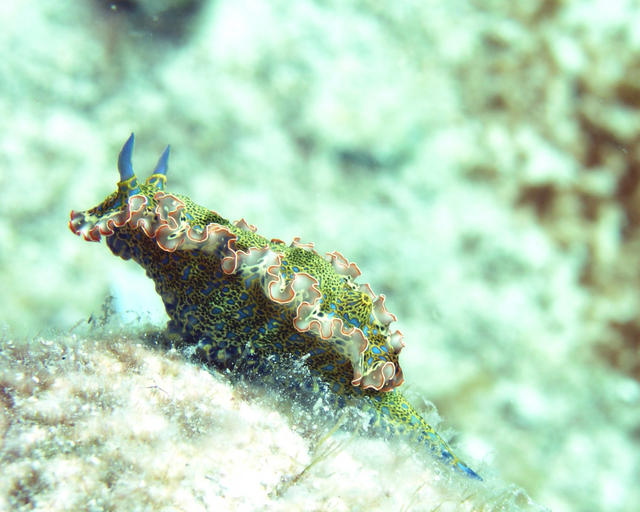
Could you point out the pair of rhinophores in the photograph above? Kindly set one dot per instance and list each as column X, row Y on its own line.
column 250, row 304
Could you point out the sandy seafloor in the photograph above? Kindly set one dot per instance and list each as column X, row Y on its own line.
column 479, row 161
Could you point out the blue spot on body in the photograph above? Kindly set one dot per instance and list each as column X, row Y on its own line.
column 246, row 312
column 352, row 321
column 249, row 280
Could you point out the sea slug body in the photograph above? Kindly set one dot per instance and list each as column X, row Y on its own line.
column 248, row 302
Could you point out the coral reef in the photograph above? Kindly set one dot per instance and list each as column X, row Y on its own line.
column 109, row 422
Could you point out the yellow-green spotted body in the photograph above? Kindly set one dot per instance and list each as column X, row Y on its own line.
column 249, row 303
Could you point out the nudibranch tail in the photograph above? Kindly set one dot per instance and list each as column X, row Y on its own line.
column 233, row 292
column 394, row 407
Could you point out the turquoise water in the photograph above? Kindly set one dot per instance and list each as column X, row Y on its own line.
column 477, row 161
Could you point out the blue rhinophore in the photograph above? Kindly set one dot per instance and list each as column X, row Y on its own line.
column 125, row 167
column 163, row 162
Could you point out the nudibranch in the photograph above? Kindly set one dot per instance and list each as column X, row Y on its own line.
column 247, row 302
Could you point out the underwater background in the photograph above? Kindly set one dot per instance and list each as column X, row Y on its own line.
column 478, row 160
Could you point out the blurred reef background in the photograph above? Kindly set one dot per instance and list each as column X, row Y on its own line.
column 480, row 162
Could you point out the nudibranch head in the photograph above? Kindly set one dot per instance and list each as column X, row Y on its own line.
column 116, row 210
